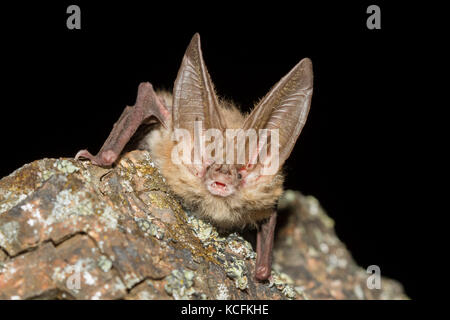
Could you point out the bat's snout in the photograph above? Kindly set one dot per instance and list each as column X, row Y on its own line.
column 220, row 188
column 221, row 180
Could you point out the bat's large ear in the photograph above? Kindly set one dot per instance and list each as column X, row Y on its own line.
column 285, row 107
column 194, row 98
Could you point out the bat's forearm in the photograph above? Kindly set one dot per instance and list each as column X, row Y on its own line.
column 147, row 104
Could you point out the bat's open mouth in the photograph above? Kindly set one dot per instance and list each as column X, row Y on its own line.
column 219, row 189
column 220, row 184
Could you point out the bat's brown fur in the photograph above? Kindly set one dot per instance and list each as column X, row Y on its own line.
column 250, row 204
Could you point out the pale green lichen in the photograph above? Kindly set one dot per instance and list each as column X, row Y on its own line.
column 150, row 228
column 68, row 203
column 234, row 267
column 59, row 166
column 11, row 200
column 289, row 292
column 282, row 282
column 179, row 284
column 104, row 263
column 108, row 216
column 237, row 270
column 131, row 279
column 240, row 246
column 65, row 166
column 9, row 232
column 222, row 292
column 46, row 174
column 209, row 235
column 204, row 231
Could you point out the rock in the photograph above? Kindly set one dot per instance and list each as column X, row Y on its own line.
column 308, row 251
column 71, row 230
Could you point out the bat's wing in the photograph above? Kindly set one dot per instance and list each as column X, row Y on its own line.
column 194, row 98
column 147, row 105
column 285, row 107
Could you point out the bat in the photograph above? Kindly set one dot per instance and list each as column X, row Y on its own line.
column 229, row 194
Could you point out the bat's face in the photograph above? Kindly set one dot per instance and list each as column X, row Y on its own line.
column 230, row 193
column 225, row 180
column 222, row 179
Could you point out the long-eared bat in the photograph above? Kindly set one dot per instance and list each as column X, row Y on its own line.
column 230, row 194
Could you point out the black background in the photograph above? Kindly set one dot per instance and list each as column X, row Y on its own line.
column 63, row 89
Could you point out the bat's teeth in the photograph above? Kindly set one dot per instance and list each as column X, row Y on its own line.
column 220, row 184
column 219, row 188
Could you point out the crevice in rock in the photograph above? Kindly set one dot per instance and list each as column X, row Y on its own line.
column 52, row 241
column 70, row 236
column 53, row 294
column 113, row 267
column 5, row 252
column 31, row 249
column 140, row 282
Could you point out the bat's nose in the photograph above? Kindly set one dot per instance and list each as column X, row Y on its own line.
column 223, row 169
column 223, row 178
column 223, row 173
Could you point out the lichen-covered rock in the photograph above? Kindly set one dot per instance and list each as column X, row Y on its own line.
column 314, row 261
column 71, row 230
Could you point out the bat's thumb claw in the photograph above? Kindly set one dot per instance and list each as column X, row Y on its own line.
column 106, row 158
column 84, row 154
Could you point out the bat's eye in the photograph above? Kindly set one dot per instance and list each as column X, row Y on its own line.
column 239, row 176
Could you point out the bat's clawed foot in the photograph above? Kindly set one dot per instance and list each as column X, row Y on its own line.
column 105, row 159
column 262, row 273
column 264, row 245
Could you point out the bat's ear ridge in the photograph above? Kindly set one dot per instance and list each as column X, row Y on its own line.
column 194, row 97
column 194, row 46
column 299, row 78
column 196, row 38
column 285, row 107
column 306, row 69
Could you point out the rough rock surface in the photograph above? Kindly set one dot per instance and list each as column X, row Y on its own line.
column 71, row 230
